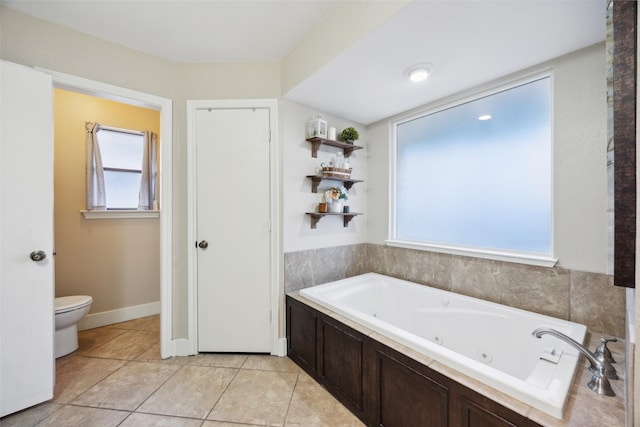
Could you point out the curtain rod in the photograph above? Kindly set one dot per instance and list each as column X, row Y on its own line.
column 114, row 129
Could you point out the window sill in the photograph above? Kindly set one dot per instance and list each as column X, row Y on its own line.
column 521, row 258
column 132, row 214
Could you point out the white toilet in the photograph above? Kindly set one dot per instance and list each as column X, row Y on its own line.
column 69, row 311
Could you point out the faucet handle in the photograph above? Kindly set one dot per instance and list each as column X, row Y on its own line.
column 600, row 384
column 602, row 352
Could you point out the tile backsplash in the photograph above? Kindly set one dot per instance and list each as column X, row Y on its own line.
column 587, row 298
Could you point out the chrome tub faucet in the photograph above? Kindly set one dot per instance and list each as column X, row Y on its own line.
column 602, row 369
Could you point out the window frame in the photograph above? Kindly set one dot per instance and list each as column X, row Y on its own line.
column 531, row 258
column 121, row 213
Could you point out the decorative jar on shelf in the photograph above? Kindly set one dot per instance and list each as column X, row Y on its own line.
column 336, row 206
column 335, row 197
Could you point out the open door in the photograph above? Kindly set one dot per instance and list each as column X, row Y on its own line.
column 26, row 238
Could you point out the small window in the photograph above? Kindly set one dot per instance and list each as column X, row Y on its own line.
column 122, row 171
column 477, row 175
column 122, row 165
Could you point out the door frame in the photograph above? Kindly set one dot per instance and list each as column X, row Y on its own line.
column 168, row 346
column 278, row 343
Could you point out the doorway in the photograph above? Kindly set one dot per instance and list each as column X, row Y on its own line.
column 233, row 202
column 112, row 255
column 164, row 106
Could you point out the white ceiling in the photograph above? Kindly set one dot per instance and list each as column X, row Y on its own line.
column 470, row 42
column 188, row 30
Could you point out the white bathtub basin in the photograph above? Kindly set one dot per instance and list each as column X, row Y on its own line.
column 486, row 341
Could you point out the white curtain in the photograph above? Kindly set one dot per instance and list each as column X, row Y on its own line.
column 149, row 171
column 96, row 198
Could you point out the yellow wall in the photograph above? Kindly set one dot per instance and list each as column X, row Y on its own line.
column 116, row 261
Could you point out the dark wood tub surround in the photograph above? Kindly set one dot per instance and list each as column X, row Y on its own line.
column 380, row 385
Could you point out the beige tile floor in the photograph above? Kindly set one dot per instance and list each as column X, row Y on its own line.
column 116, row 378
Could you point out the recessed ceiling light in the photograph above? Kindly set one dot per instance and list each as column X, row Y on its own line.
column 418, row 75
column 418, row 72
column 484, row 117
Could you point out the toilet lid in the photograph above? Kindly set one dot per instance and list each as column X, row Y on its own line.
column 72, row 302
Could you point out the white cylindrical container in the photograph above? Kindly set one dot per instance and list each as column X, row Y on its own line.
column 332, row 133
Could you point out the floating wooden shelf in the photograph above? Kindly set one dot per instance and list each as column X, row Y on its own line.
column 317, row 216
column 317, row 179
column 316, row 142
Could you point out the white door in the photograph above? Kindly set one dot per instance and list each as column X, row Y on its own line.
column 233, row 229
column 26, row 226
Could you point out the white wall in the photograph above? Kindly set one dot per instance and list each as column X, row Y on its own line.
column 34, row 42
column 297, row 195
column 580, row 176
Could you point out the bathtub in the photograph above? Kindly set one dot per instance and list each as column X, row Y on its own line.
column 489, row 342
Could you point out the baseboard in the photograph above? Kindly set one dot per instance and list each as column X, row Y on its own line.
column 281, row 348
column 183, row 347
column 96, row 320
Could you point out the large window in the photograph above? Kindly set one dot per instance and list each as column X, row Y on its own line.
column 477, row 175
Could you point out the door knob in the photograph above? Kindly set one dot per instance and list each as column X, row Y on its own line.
column 203, row 244
column 37, row 256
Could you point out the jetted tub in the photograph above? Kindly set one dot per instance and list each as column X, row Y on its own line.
column 489, row 342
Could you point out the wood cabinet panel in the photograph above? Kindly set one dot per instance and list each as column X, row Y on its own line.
column 473, row 415
column 301, row 335
column 406, row 397
column 340, row 362
column 468, row 408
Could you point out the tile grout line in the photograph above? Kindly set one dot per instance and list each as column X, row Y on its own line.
column 223, row 392
column 61, row 405
column 103, row 344
column 156, row 390
column 127, row 362
column 118, row 336
column 100, row 381
column 286, row 415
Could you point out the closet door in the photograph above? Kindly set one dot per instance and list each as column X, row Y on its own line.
column 233, row 229
column 26, row 235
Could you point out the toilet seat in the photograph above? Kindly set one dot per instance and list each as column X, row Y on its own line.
column 73, row 302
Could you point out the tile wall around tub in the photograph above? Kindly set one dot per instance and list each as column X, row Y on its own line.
column 587, row 298
column 313, row 267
